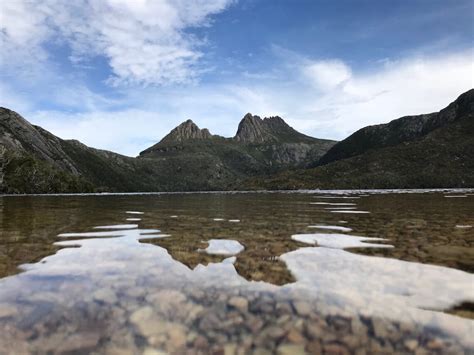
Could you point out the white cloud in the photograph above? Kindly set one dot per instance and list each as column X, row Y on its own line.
column 144, row 41
column 398, row 88
column 327, row 74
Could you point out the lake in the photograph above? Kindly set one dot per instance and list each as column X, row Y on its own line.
column 339, row 272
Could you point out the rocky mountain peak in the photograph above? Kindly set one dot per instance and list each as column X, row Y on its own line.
column 185, row 131
column 251, row 130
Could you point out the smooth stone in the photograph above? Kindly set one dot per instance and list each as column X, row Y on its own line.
column 411, row 344
column 335, row 349
column 177, row 337
column 8, row 310
column 302, row 308
column 105, row 295
column 262, row 351
column 295, row 337
column 230, row 349
column 151, row 351
column 240, row 303
column 291, row 349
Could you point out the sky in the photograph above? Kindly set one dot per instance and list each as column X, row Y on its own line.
column 120, row 74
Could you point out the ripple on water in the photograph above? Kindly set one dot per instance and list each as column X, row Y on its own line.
column 134, row 212
column 333, row 204
column 349, row 211
column 336, row 228
column 338, row 241
column 118, row 226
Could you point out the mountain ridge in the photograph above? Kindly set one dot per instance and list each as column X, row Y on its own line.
column 404, row 129
column 33, row 160
column 423, row 151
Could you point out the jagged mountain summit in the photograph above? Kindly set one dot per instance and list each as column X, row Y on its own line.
column 253, row 129
column 32, row 160
column 266, row 145
column 186, row 130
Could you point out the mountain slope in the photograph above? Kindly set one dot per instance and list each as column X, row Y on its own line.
column 32, row 160
column 260, row 145
column 435, row 150
column 405, row 129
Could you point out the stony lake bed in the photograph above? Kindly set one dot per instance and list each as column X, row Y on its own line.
column 336, row 272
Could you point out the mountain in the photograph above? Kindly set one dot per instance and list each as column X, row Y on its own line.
column 32, row 160
column 405, row 129
column 252, row 129
column 432, row 150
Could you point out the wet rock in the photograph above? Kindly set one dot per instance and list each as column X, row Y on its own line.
column 201, row 343
column 254, row 324
column 239, row 303
column 230, row 349
column 291, row 349
column 105, row 295
column 81, row 342
column 411, row 344
column 151, row 351
column 302, row 308
column 295, row 336
column 262, row 351
column 314, row 347
column 176, row 337
column 7, row 310
column 435, row 345
column 336, row 349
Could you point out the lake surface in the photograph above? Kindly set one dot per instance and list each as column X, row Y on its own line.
column 338, row 272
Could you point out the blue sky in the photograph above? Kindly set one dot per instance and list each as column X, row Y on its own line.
column 119, row 74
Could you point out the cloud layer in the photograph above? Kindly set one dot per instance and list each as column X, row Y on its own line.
column 144, row 41
column 153, row 60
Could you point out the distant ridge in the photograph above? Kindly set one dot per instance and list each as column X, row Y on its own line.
column 405, row 129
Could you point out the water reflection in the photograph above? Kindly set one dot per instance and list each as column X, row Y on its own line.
column 139, row 286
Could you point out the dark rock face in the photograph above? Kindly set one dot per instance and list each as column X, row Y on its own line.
column 405, row 129
column 252, row 130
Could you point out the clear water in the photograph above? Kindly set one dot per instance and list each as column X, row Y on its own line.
column 238, row 273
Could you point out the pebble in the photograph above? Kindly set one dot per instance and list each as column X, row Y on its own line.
column 7, row 310
column 151, row 351
column 411, row 344
column 240, row 303
column 302, row 308
column 294, row 336
column 335, row 349
column 105, row 295
column 290, row 349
